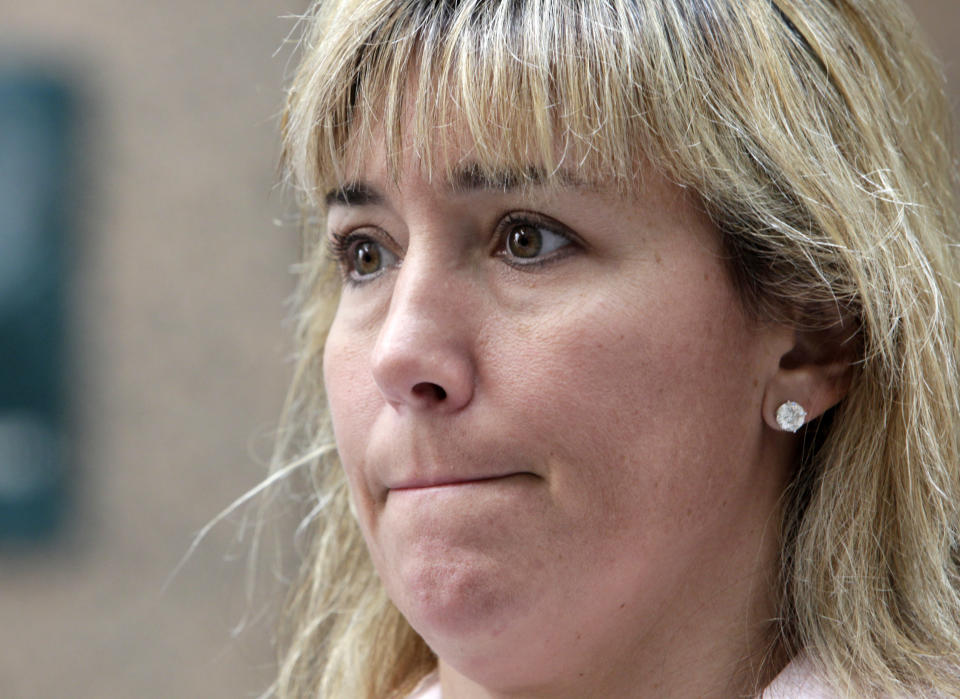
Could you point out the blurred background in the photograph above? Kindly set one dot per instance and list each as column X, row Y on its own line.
column 144, row 264
column 143, row 360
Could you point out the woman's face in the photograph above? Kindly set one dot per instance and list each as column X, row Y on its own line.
column 548, row 406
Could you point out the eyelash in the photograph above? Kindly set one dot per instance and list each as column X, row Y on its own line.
column 340, row 246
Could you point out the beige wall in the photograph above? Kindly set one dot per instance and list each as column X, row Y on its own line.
column 181, row 358
column 178, row 295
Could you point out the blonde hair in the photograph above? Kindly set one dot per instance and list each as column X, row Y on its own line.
column 815, row 133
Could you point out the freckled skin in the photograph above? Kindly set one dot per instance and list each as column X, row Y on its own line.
column 629, row 551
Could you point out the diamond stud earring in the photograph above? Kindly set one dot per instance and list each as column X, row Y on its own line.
column 791, row 416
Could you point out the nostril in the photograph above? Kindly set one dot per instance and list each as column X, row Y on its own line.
column 429, row 390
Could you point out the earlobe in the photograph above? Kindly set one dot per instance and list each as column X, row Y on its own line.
column 812, row 378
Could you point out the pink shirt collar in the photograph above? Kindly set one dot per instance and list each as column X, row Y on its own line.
column 796, row 681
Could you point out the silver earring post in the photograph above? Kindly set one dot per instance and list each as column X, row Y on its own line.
column 791, row 416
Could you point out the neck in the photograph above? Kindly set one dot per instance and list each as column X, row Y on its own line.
column 700, row 655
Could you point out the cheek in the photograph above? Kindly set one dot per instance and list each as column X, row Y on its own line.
column 655, row 403
column 353, row 399
column 612, row 362
column 342, row 376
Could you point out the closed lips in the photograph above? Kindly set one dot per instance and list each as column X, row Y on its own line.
column 438, row 483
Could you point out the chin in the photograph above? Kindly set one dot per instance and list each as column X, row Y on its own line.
column 462, row 599
column 471, row 615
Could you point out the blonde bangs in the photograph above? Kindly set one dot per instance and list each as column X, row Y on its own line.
column 434, row 75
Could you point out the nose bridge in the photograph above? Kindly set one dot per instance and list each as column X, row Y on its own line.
column 423, row 354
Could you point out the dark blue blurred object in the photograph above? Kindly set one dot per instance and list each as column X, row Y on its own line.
column 36, row 116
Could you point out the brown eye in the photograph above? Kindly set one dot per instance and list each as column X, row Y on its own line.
column 367, row 259
column 530, row 242
column 361, row 257
column 524, row 242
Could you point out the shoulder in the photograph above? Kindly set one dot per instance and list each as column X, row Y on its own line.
column 429, row 688
column 798, row 680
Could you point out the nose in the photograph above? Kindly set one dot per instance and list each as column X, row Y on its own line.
column 423, row 356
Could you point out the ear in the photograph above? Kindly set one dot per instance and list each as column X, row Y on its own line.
column 815, row 373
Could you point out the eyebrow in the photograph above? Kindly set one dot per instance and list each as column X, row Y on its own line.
column 353, row 194
column 462, row 180
column 472, row 177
